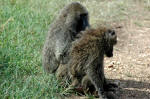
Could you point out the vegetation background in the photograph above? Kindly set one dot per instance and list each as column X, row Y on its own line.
column 23, row 27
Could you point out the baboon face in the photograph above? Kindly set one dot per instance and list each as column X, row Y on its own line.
column 82, row 22
column 78, row 16
column 111, row 40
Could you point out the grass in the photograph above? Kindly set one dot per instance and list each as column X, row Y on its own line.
column 23, row 26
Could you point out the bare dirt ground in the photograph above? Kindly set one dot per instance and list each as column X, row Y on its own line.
column 130, row 66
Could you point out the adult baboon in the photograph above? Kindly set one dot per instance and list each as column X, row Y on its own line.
column 87, row 56
column 72, row 19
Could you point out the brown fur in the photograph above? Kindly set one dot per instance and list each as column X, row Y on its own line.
column 87, row 55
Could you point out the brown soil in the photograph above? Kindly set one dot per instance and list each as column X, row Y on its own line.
column 130, row 66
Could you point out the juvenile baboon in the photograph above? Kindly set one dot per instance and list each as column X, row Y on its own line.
column 72, row 19
column 87, row 56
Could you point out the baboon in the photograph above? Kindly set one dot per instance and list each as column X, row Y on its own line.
column 86, row 59
column 71, row 20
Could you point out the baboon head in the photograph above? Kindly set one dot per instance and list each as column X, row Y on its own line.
column 110, row 41
column 76, row 17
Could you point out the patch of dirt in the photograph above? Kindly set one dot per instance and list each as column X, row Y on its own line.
column 130, row 66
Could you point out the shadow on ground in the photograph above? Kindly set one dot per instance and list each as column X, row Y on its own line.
column 128, row 89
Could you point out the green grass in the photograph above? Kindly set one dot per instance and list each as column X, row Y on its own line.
column 23, row 26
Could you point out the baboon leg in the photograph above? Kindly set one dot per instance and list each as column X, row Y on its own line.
column 85, row 82
column 50, row 63
column 87, row 85
column 62, row 72
column 75, row 82
column 96, row 75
